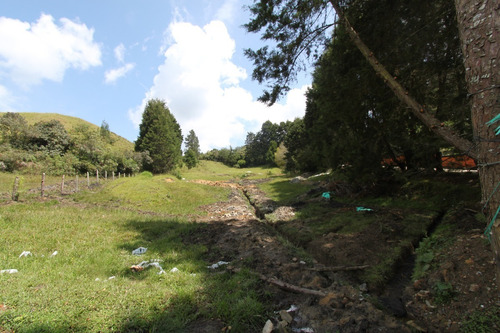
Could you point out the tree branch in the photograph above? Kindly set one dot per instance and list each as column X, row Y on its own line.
column 464, row 145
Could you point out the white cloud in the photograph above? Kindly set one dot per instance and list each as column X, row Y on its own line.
column 120, row 52
column 6, row 99
column 200, row 85
column 113, row 75
column 226, row 12
column 44, row 50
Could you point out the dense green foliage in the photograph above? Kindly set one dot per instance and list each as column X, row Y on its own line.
column 353, row 122
column 234, row 157
column 353, row 119
column 159, row 135
column 47, row 145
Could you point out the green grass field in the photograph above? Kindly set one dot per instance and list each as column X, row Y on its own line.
column 88, row 285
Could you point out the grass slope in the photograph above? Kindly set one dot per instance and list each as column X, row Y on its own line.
column 70, row 122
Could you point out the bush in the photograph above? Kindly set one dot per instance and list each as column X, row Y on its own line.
column 146, row 174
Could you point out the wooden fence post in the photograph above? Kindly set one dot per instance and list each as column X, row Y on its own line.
column 106, row 174
column 97, row 175
column 76, row 182
column 43, row 185
column 15, row 195
column 88, row 179
column 113, row 175
column 62, row 184
column 119, row 175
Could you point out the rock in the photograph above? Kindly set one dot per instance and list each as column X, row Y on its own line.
column 297, row 180
column 412, row 324
column 286, row 316
column 344, row 320
column 328, row 299
column 268, row 327
column 474, row 287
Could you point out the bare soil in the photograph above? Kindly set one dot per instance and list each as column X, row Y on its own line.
column 319, row 292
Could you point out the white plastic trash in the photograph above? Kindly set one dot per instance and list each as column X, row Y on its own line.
column 9, row 271
column 25, row 254
column 152, row 262
column 218, row 264
column 174, row 270
column 54, row 254
column 139, row 251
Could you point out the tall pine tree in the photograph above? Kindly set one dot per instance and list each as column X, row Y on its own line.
column 160, row 135
column 192, row 152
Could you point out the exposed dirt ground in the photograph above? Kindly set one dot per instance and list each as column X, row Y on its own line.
column 319, row 292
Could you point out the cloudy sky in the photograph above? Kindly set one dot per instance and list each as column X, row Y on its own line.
column 102, row 60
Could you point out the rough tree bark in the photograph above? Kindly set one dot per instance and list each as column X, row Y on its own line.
column 479, row 25
column 479, row 28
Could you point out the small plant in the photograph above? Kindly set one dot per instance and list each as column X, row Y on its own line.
column 146, row 174
column 483, row 321
column 177, row 174
column 443, row 292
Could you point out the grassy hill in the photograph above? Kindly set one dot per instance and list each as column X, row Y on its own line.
column 70, row 122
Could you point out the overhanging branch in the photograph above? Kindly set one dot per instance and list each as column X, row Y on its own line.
column 464, row 145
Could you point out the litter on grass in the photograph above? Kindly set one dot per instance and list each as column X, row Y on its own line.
column 218, row 264
column 363, row 209
column 145, row 264
column 54, row 254
column 9, row 271
column 326, row 195
column 174, row 270
column 303, row 330
column 25, row 254
column 139, row 251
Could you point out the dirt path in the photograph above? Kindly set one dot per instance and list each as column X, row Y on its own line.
column 235, row 234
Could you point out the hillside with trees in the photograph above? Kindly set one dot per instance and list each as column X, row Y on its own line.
column 58, row 144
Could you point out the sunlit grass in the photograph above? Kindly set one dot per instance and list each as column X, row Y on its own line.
column 88, row 286
column 210, row 170
column 160, row 194
column 26, row 182
column 281, row 190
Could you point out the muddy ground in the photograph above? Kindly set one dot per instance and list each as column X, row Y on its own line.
column 316, row 288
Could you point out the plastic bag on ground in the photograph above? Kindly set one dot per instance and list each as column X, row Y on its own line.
column 139, row 251
column 25, row 254
column 218, row 264
column 9, row 271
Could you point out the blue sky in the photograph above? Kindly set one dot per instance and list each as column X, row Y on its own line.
column 102, row 61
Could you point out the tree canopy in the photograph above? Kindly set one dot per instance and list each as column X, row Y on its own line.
column 160, row 135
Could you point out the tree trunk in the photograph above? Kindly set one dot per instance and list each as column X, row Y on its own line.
column 479, row 27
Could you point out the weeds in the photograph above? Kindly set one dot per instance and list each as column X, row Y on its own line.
column 443, row 292
column 483, row 321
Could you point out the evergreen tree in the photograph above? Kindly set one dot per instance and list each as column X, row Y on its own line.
column 160, row 135
column 105, row 132
column 192, row 150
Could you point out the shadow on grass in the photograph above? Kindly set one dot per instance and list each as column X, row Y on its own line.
column 195, row 299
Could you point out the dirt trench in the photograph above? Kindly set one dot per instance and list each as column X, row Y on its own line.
column 317, row 297
column 236, row 231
